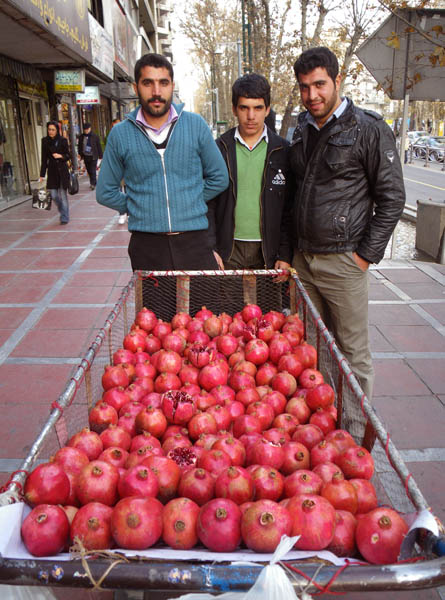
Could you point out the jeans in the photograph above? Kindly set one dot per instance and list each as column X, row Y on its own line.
column 61, row 199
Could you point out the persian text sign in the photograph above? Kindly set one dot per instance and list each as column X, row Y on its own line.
column 66, row 19
column 90, row 96
column 102, row 48
column 72, row 80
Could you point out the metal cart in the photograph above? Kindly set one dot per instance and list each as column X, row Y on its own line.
column 170, row 292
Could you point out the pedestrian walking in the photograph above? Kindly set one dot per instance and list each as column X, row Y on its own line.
column 349, row 196
column 171, row 167
column 55, row 155
column 90, row 151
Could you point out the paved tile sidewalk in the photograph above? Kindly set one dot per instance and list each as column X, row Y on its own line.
column 57, row 285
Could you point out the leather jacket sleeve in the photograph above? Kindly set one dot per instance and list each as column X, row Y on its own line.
column 385, row 176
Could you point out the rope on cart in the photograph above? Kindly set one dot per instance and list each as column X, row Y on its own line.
column 148, row 276
column 311, row 580
column 78, row 551
column 16, row 495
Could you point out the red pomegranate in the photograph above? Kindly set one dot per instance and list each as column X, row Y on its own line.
column 308, row 435
column 72, row 460
column 198, row 485
column 179, row 519
column 87, row 441
column 45, row 530
column 92, row 525
column 313, row 520
column 138, row 481
column 366, row 495
column 263, row 524
column 178, row 407
column 115, row 436
column 47, row 484
column 327, row 470
column 168, row 474
column 136, row 523
column 269, row 483
column 101, row 416
column 341, row 494
column 302, row 482
column 114, row 376
column 114, row 456
column 356, row 463
column 219, row 525
column 116, row 397
column 380, row 534
column 146, row 319
column 343, row 542
column 97, row 482
column 234, row 483
column 296, row 457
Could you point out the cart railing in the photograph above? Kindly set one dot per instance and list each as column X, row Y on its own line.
column 171, row 292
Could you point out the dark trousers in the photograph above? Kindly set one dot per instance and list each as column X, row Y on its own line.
column 91, row 167
column 187, row 251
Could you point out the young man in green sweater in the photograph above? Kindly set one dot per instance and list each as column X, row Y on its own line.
column 249, row 220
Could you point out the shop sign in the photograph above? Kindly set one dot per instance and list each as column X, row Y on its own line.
column 120, row 38
column 102, row 48
column 90, row 95
column 67, row 20
column 72, row 80
column 38, row 89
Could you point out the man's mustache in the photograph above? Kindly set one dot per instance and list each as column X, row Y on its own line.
column 156, row 99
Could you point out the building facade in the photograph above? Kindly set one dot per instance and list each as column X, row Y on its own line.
column 71, row 62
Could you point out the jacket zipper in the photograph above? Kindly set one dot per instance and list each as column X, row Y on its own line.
column 263, row 239
column 164, row 171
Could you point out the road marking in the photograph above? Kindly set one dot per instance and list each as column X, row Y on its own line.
column 436, row 187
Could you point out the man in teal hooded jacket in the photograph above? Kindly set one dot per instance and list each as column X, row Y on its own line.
column 171, row 167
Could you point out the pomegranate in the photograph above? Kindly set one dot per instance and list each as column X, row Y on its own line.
column 45, row 530
column 343, row 542
column 144, row 439
column 214, row 461
column 233, row 447
column 263, row 524
column 123, row 356
column 284, row 382
column 291, row 364
column 277, row 400
column 278, row 346
column 341, row 438
column 92, row 525
column 263, row 412
column 70, row 459
column 246, row 424
column 308, row 435
column 223, row 394
column 313, row 520
column 239, row 380
column 287, row 422
column 265, row 373
column 152, row 344
column 162, row 329
column 212, row 375
column 97, row 482
column 227, row 344
column 145, row 369
column 116, row 397
column 168, row 474
column 146, row 319
column 310, row 378
column 234, row 483
column 151, row 420
column 251, row 311
column 47, row 484
column 298, row 408
column 179, row 519
column 116, row 436
column 201, row 423
column 275, row 318
column 114, row 376
column 267, row 453
column 320, row 396
column 219, row 525
column 136, row 523
column 341, row 494
column 323, row 419
column 175, row 441
column 185, row 458
column 198, row 485
column 256, row 351
column 295, row 456
column 101, row 416
column 87, row 441
column 380, row 534
column 222, row 416
column 327, row 470
column 188, row 373
column 174, row 341
column 277, row 435
column 356, row 463
column 269, row 483
column 302, row 482
column 307, row 355
column 135, row 339
column 178, row 407
column 366, row 495
column 324, row 452
column 114, row 456
column 138, row 481
column 247, row 396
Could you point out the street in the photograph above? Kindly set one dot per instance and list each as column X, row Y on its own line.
column 424, row 183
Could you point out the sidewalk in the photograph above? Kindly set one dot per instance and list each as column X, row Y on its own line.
column 58, row 284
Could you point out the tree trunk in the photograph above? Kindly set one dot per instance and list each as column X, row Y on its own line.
column 286, row 123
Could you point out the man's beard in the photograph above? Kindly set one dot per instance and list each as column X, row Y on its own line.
column 155, row 112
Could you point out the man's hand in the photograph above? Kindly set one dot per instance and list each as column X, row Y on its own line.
column 218, row 260
column 41, row 178
column 361, row 262
column 281, row 265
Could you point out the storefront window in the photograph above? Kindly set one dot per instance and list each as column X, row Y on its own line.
column 12, row 181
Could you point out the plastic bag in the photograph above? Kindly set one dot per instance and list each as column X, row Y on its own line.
column 272, row 582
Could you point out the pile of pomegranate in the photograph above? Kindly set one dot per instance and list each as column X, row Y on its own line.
column 216, row 430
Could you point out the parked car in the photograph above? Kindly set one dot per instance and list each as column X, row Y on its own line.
column 435, row 145
column 414, row 135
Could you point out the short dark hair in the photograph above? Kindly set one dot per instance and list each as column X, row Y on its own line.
column 86, row 126
column 152, row 60
column 251, row 85
column 317, row 57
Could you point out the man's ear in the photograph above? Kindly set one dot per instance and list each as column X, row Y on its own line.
column 337, row 82
column 135, row 87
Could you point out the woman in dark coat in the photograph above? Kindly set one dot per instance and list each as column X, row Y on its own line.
column 55, row 155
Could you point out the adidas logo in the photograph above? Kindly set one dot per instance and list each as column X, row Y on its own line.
column 279, row 178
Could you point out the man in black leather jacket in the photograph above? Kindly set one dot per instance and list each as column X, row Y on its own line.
column 349, row 196
column 245, row 220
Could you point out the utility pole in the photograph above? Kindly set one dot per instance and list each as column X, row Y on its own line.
column 247, row 44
